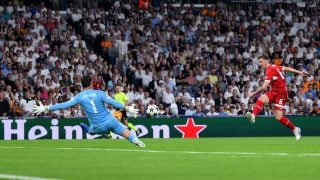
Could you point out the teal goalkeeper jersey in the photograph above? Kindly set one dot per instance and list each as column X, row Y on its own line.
column 93, row 103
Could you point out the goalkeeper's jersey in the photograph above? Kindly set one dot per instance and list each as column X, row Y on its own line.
column 93, row 103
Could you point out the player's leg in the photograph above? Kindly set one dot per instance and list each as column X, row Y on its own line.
column 132, row 137
column 125, row 121
column 84, row 127
column 278, row 112
column 90, row 131
column 131, row 126
column 87, row 129
column 121, row 130
column 258, row 106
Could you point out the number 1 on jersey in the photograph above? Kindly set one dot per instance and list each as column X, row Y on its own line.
column 93, row 106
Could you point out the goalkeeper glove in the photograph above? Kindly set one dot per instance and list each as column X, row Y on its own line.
column 40, row 109
column 132, row 110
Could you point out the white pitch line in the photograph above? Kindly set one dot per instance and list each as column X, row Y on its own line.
column 311, row 154
column 159, row 151
column 9, row 176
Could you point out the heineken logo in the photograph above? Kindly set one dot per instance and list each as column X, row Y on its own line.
column 69, row 129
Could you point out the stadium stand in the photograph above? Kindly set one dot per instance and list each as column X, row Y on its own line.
column 204, row 56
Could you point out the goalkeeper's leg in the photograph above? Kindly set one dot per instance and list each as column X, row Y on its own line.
column 86, row 129
column 131, row 136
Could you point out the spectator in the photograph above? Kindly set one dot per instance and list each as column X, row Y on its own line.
column 139, row 95
column 26, row 104
column 233, row 111
column 168, row 98
column 234, row 98
column 138, row 75
column 152, row 87
column 159, row 92
column 146, row 99
column 146, row 77
column 220, row 100
column 243, row 109
column 182, row 104
column 15, row 109
column 212, row 112
column 161, row 110
column 222, row 112
column 309, row 92
column 4, row 106
column 185, row 94
column 191, row 109
column 180, row 79
column 166, row 113
column 113, row 54
column 267, row 111
column 142, row 111
column 314, row 111
column 192, row 83
column 198, row 112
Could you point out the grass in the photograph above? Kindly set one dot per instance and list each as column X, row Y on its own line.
column 206, row 158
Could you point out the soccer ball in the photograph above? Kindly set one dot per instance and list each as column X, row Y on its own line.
column 152, row 110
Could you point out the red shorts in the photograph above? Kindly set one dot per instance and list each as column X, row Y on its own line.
column 279, row 99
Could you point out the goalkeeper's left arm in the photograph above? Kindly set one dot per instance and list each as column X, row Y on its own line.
column 44, row 109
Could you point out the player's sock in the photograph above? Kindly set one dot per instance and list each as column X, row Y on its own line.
column 132, row 137
column 131, row 126
column 286, row 122
column 135, row 140
column 257, row 108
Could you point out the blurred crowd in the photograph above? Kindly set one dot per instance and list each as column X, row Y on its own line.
column 189, row 61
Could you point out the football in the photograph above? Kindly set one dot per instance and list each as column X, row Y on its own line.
column 152, row 110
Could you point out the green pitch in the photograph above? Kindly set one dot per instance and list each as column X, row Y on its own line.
column 207, row 158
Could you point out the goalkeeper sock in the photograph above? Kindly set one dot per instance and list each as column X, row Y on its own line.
column 132, row 137
column 286, row 122
column 131, row 126
column 257, row 108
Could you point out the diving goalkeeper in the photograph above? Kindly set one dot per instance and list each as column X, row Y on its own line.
column 100, row 118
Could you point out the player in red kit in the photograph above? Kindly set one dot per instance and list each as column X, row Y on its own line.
column 277, row 95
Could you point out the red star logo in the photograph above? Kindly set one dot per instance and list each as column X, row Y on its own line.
column 190, row 130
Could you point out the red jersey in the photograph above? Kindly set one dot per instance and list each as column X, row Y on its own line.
column 274, row 73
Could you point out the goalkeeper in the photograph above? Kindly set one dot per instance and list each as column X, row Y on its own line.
column 121, row 115
column 100, row 118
